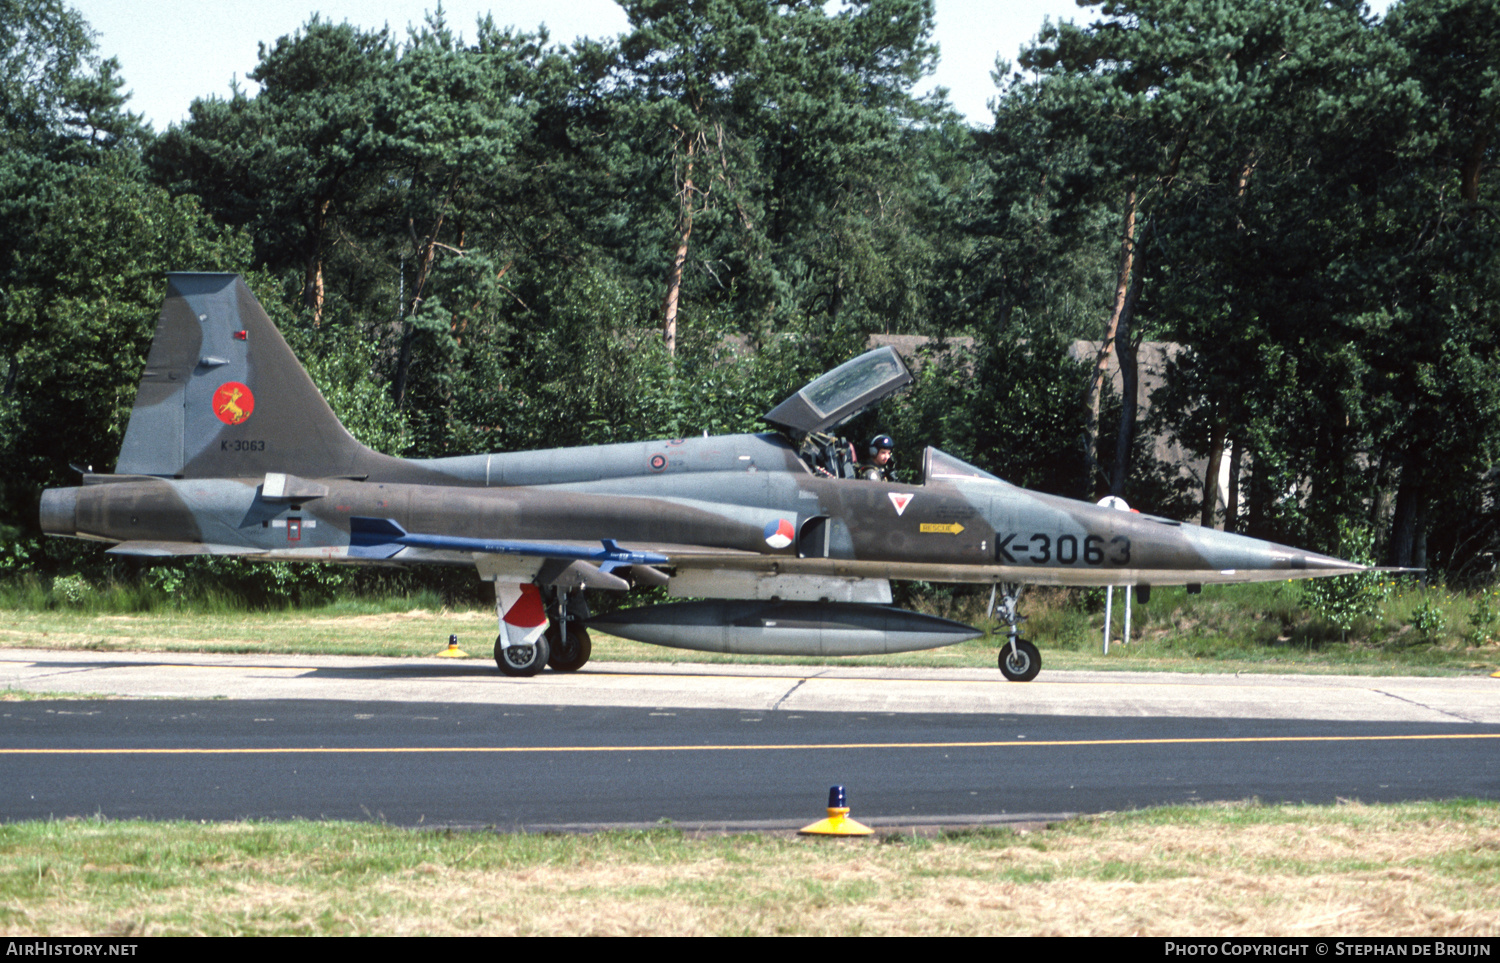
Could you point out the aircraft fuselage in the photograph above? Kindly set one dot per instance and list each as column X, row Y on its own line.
column 724, row 497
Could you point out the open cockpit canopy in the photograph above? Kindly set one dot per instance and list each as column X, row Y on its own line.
column 829, row 401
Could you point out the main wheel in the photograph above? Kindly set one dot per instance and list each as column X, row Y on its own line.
column 521, row 660
column 570, row 655
column 1023, row 664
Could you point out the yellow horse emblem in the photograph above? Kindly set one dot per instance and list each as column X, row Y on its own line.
column 233, row 403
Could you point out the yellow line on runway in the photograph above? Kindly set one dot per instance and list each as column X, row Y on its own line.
column 757, row 747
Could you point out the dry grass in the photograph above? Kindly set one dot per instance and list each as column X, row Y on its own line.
column 410, row 633
column 1421, row 870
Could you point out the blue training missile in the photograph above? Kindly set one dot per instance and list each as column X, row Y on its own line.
column 377, row 538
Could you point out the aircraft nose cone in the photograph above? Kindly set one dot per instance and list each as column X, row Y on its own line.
column 1312, row 562
column 1285, row 558
column 1229, row 551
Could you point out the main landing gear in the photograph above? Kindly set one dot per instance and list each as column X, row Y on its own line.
column 570, row 645
column 565, row 634
column 1019, row 660
column 545, row 627
column 521, row 660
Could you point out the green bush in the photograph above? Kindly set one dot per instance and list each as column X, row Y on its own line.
column 71, row 590
column 1343, row 599
column 1429, row 620
column 1484, row 618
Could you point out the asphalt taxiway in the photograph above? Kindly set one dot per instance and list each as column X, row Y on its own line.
column 444, row 742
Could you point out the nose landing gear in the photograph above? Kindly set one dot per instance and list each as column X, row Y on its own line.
column 1019, row 660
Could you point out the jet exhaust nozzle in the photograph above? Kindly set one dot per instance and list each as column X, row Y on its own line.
column 59, row 511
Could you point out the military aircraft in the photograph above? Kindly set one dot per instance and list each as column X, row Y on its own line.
column 232, row 450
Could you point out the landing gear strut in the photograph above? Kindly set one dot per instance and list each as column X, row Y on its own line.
column 1019, row 660
column 566, row 635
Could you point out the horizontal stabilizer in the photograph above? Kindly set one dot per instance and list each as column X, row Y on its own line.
column 281, row 487
column 377, row 538
column 146, row 549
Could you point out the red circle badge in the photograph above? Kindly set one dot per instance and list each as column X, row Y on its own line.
column 233, row 402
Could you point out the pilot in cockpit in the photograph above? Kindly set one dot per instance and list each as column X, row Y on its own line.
column 882, row 463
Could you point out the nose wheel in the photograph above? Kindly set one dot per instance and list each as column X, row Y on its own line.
column 1019, row 660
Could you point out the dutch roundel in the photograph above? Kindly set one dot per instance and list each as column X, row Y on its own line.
column 779, row 533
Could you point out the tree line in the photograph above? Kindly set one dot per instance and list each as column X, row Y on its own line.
column 480, row 240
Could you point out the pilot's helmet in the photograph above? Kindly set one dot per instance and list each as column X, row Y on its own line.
column 881, row 442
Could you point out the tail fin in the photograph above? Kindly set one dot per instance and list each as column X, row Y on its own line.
column 223, row 395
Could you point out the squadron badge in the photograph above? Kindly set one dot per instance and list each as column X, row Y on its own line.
column 233, row 403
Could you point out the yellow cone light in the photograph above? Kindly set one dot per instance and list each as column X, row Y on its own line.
column 838, row 822
column 453, row 651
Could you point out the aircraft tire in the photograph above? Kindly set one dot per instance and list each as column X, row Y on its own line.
column 521, row 661
column 1021, row 665
column 572, row 656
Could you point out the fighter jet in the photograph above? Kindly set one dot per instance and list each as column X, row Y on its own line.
column 232, row 450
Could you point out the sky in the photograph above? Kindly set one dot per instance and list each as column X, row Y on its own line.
column 172, row 51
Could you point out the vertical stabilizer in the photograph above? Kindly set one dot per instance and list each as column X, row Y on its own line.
column 223, row 395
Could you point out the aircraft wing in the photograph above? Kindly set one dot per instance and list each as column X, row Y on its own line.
column 1060, row 575
column 381, row 539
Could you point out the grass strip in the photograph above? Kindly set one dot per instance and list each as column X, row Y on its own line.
column 1422, row 869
